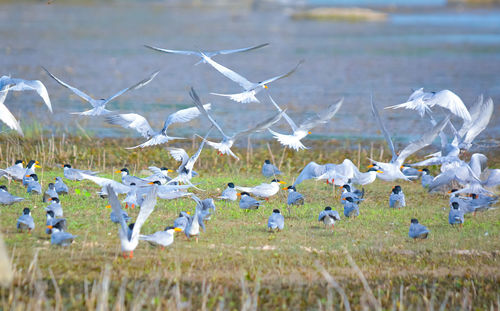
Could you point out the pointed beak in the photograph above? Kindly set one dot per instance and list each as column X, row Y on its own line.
column 36, row 162
column 282, row 182
column 170, row 171
column 379, row 171
column 62, row 165
column 401, row 167
column 118, row 171
column 370, row 166
column 449, row 191
column 37, row 166
column 177, row 229
column 108, row 206
column 50, row 199
column 24, row 162
column 151, row 183
column 55, row 178
column 309, row 133
column 238, row 194
column 27, row 176
column 420, row 170
column 188, row 213
column 265, row 86
column 284, row 188
column 49, row 227
column 343, row 199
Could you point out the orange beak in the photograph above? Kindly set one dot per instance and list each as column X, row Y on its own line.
column 49, row 227
column 309, row 132
column 50, row 199
column 108, row 206
column 238, row 194
column 370, row 166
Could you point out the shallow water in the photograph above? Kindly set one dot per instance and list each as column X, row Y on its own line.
column 99, row 48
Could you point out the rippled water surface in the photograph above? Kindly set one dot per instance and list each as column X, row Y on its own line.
column 99, row 48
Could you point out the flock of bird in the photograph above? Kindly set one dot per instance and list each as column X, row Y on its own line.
column 471, row 182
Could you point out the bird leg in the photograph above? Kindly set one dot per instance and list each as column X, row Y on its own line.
column 131, row 254
column 163, row 248
column 124, row 254
column 196, row 239
column 133, row 205
column 126, row 205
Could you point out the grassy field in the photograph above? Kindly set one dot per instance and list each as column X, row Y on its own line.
column 367, row 262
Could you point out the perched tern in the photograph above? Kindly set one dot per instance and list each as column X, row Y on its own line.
column 60, row 186
column 33, row 185
column 55, row 207
column 329, row 216
column 456, row 215
column 397, row 198
column 6, row 198
column 264, row 190
column 25, row 221
column 161, row 238
column 269, row 170
column 50, row 193
column 417, row 231
column 15, row 171
column 351, row 209
column 59, row 236
column 52, row 221
column 247, row 202
column 229, row 193
column 30, row 169
column 75, row 174
column 276, row 221
column 294, row 197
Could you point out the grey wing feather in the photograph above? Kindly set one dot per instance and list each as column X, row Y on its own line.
column 260, row 126
column 384, row 130
column 184, row 115
column 281, row 76
column 136, row 86
column 180, row 52
column 194, row 157
column 199, row 105
column 425, row 140
column 117, row 209
column 330, row 113
column 132, row 121
column 285, row 115
column 147, row 208
column 223, row 52
column 81, row 94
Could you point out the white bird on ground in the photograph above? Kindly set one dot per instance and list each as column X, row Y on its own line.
column 207, row 53
column 263, row 190
column 161, row 238
column 99, row 105
column 224, row 147
column 392, row 170
column 299, row 132
column 12, row 84
column 129, row 235
column 250, row 88
column 15, row 171
column 141, row 125
column 422, row 102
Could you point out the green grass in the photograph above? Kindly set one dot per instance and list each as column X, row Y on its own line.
column 237, row 264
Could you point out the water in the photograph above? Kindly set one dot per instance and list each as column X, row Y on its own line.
column 99, row 49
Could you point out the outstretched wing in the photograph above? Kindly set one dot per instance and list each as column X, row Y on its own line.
column 133, row 121
column 281, row 76
column 260, row 126
column 194, row 157
column 147, row 207
column 81, row 94
column 6, row 116
column 117, row 209
column 179, row 154
column 323, row 118
column 179, row 52
column 223, row 52
column 424, row 141
column 449, row 100
column 136, row 86
column 199, row 105
column 243, row 82
column 480, row 123
column 287, row 118
column 184, row 115
column 384, row 130
column 31, row 85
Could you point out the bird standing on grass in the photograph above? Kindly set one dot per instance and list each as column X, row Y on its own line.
column 269, row 170
column 351, row 209
column 75, row 174
column 6, row 198
column 294, row 198
column 182, row 221
column 417, row 231
column 456, row 215
column 15, row 171
column 60, row 186
column 33, row 186
column 426, row 178
column 397, row 198
column 50, row 193
column 247, row 202
column 25, row 221
column 59, row 236
column 30, row 169
column 161, row 238
column 329, row 216
column 55, row 207
column 263, row 190
column 276, row 221
column 229, row 193
column 52, row 221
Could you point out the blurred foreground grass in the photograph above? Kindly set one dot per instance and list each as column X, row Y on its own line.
column 237, row 264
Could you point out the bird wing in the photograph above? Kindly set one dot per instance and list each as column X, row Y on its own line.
column 84, row 96
column 104, row 182
column 184, row 115
column 132, row 121
column 287, row 118
column 477, row 163
column 384, row 130
column 179, row 52
column 449, row 100
column 7, row 117
column 260, row 126
column 481, row 122
column 224, row 52
column 291, row 141
column 31, row 85
column 147, row 207
column 311, row 170
column 179, row 154
column 475, row 111
column 243, row 82
column 117, row 209
column 493, row 178
column 199, row 105
column 424, row 141
column 194, row 157
column 281, row 76
column 155, row 170
column 136, row 86
column 323, row 118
